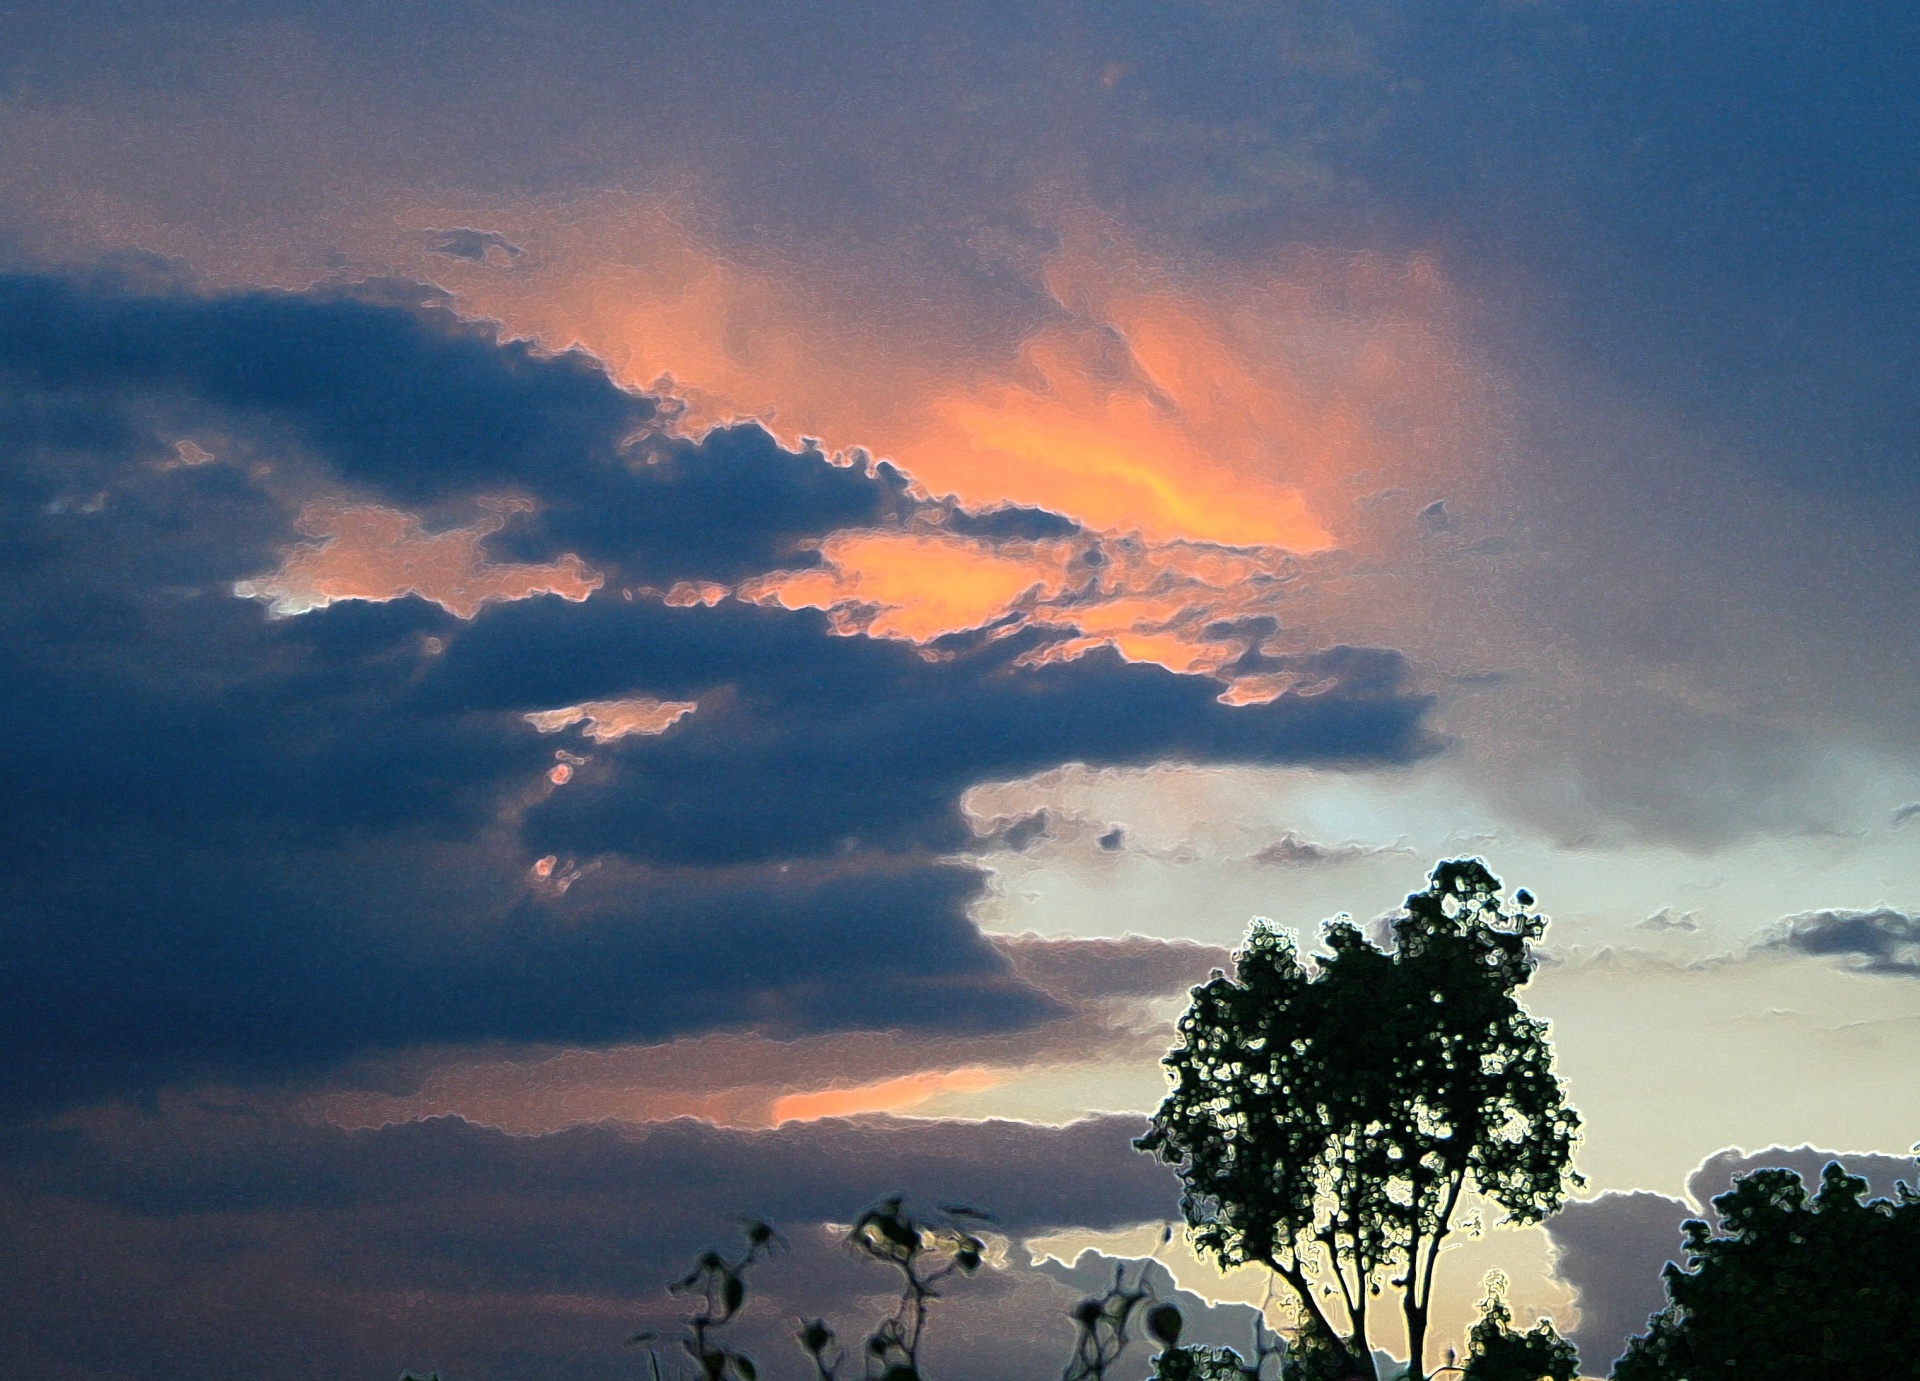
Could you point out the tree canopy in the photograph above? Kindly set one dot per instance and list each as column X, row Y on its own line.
column 1793, row 1287
column 1330, row 1116
column 1497, row 1351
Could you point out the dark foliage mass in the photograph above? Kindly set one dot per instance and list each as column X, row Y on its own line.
column 1793, row 1286
column 1496, row 1351
column 1327, row 1117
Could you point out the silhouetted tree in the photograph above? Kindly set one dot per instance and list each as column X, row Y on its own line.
column 1496, row 1351
column 1328, row 1118
column 1794, row 1288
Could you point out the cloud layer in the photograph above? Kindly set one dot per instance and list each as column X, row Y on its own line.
column 276, row 839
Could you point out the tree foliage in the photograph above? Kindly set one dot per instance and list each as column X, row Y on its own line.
column 1794, row 1287
column 1496, row 1351
column 1328, row 1117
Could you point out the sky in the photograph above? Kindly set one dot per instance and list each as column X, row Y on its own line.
column 619, row 615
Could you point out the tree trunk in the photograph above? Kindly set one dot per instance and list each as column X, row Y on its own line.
column 1416, row 1342
column 1362, row 1363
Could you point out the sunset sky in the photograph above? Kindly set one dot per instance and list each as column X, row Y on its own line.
column 619, row 615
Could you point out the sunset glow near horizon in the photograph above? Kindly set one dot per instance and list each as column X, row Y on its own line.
column 619, row 618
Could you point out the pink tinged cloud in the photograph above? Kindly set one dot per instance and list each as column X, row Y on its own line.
column 604, row 721
column 373, row 553
column 888, row 1095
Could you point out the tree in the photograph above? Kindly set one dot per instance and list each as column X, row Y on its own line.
column 1794, row 1287
column 1328, row 1118
column 1496, row 1351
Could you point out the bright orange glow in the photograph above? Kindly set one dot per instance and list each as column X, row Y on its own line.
column 1150, row 603
column 919, row 585
column 687, row 593
column 607, row 720
column 889, row 1095
column 368, row 552
column 1111, row 455
column 1210, row 425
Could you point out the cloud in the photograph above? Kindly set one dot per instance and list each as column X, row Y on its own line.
column 608, row 720
column 261, row 846
column 241, row 1243
column 1610, row 1250
column 1197, row 431
column 366, row 552
column 739, row 1078
column 1293, row 850
column 1133, row 966
column 478, row 246
column 1715, row 1174
column 872, row 743
column 1880, row 941
column 1204, row 1323
column 382, row 389
column 920, row 586
column 889, row 1095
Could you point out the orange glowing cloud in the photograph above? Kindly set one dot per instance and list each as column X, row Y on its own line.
column 1220, row 422
column 889, row 1095
column 1209, row 407
column 1121, row 456
column 607, row 720
column 919, row 585
column 364, row 551
column 1173, row 604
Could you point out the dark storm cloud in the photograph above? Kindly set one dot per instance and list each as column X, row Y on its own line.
column 1685, row 235
column 1880, row 941
column 870, row 742
column 398, row 397
column 676, row 1183
column 185, row 1206
column 248, row 844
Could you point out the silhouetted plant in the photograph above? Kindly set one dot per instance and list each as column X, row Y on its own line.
column 1201, row 1363
column 1104, row 1325
column 1328, row 1118
column 924, row 1252
column 720, row 1286
column 1496, row 1351
column 1793, row 1288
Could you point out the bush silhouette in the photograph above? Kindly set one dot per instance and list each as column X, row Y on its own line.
column 1794, row 1287
column 1496, row 1351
